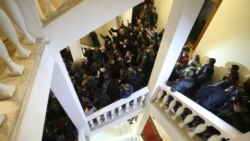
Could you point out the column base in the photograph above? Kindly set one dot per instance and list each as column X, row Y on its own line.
column 6, row 91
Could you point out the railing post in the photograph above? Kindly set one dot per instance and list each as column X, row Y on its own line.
column 142, row 100
column 199, row 129
column 164, row 101
column 112, row 113
column 105, row 116
column 92, row 125
column 159, row 96
column 127, row 107
column 171, row 106
column 119, row 110
column 98, row 119
column 189, row 118
column 179, row 111
column 134, row 103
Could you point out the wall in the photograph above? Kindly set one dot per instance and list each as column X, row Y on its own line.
column 103, row 30
column 163, row 9
column 228, row 38
column 84, row 18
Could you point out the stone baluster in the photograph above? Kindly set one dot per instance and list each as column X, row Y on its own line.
column 127, row 107
column 119, row 110
column 179, row 111
column 112, row 114
column 134, row 103
column 164, row 101
column 98, row 119
column 159, row 96
column 14, row 68
column 8, row 29
column 189, row 118
column 199, row 129
column 171, row 106
column 49, row 6
column 2, row 117
column 91, row 123
column 40, row 12
column 215, row 138
column 6, row 91
column 142, row 99
column 105, row 116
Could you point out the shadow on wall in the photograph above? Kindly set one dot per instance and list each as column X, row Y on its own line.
column 243, row 71
column 219, row 72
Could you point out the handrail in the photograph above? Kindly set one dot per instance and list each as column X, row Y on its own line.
column 118, row 109
column 118, row 103
column 226, row 130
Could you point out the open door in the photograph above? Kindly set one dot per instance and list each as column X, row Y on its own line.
column 204, row 18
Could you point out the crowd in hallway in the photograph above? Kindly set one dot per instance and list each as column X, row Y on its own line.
column 119, row 67
column 58, row 126
column 226, row 98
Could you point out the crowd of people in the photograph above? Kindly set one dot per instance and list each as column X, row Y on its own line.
column 120, row 67
column 225, row 98
column 58, row 126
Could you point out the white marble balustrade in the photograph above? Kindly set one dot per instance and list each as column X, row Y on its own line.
column 50, row 9
column 117, row 109
column 167, row 104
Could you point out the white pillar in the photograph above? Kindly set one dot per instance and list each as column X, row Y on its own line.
column 182, row 16
column 8, row 29
column 17, row 16
column 181, row 19
column 65, row 93
column 76, row 52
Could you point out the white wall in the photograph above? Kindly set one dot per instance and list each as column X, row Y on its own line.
column 228, row 38
column 103, row 30
column 163, row 9
column 84, row 18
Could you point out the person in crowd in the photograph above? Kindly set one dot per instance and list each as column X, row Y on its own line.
column 231, row 78
column 214, row 97
column 196, row 60
column 184, row 84
column 237, row 110
column 204, row 74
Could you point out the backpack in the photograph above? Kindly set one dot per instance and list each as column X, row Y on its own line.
column 126, row 90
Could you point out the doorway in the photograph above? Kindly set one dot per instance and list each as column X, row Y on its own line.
column 204, row 18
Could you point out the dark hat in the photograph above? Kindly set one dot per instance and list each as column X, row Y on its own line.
column 235, row 67
column 212, row 61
